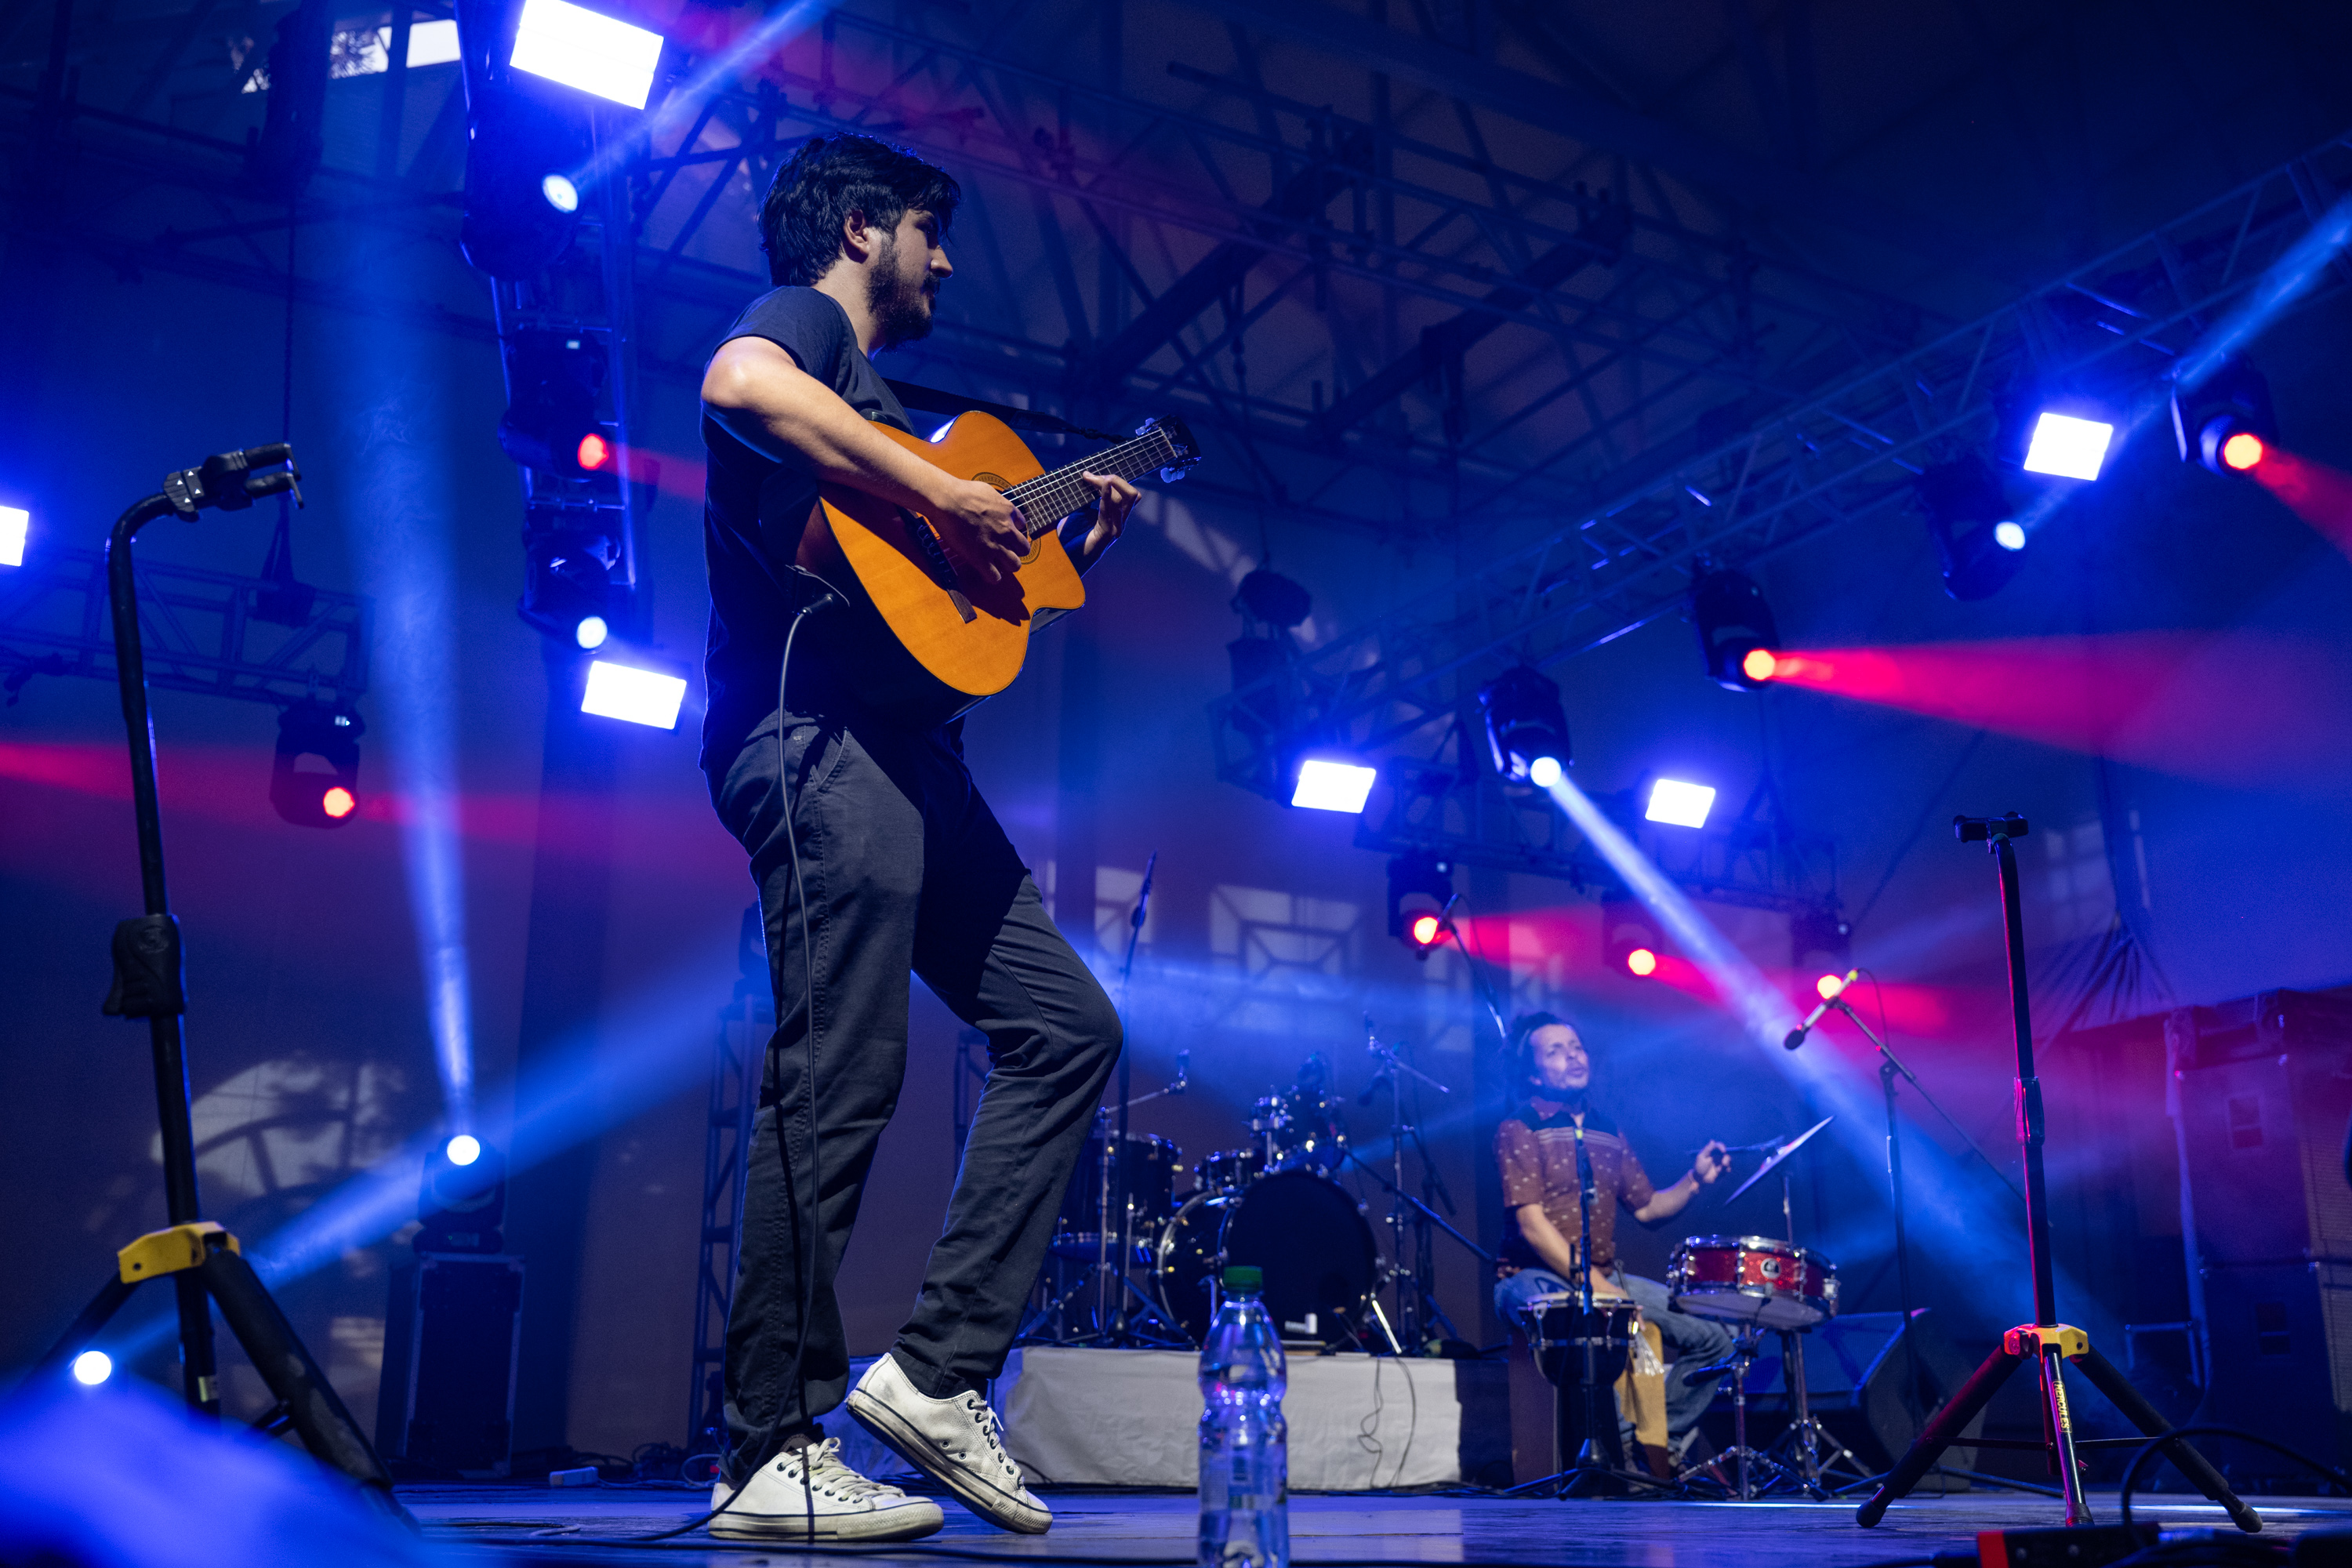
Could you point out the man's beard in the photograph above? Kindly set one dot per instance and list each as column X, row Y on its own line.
column 901, row 312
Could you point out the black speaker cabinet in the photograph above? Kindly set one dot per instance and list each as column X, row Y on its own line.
column 450, row 1347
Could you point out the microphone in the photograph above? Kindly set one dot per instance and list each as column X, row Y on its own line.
column 1796, row 1036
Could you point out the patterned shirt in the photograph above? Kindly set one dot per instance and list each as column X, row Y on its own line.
column 1536, row 1147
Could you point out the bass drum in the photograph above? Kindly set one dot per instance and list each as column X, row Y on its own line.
column 1304, row 1231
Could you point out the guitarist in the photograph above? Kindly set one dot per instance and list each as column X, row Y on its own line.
column 899, row 866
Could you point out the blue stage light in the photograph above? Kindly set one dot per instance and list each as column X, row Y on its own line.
column 2068, row 448
column 93, row 1367
column 2009, row 535
column 1544, row 772
column 463, row 1150
column 590, row 632
column 638, row 696
column 1326, row 785
column 1679, row 804
column 16, row 523
column 583, row 48
column 561, row 193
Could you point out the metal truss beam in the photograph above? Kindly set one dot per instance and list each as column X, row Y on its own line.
column 2113, row 327
column 1560, row 108
column 1752, row 862
column 206, row 632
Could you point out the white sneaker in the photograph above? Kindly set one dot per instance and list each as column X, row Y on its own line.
column 810, row 1495
column 954, row 1441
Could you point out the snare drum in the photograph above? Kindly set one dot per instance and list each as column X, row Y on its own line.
column 1560, row 1329
column 1752, row 1279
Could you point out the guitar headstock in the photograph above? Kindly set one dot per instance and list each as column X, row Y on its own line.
column 1180, row 441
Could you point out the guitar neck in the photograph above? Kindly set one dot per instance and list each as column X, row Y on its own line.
column 1049, row 498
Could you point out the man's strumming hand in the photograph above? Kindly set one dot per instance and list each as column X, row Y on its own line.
column 980, row 528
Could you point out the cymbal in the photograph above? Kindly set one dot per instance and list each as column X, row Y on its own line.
column 1772, row 1162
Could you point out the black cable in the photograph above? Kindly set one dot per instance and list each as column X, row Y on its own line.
column 822, row 598
column 2141, row 1455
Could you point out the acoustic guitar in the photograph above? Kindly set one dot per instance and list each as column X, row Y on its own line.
column 932, row 640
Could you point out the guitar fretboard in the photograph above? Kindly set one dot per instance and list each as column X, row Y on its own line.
column 1051, row 497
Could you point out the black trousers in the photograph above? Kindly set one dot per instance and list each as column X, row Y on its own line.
column 905, row 871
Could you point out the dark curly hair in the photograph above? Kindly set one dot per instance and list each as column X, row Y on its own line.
column 831, row 177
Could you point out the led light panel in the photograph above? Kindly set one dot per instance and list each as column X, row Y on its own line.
column 1333, row 786
column 2069, row 448
column 638, row 696
column 15, row 523
column 585, row 49
column 1681, row 805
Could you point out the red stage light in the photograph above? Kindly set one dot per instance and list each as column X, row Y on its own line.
column 1642, row 962
column 595, row 452
column 1760, row 664
column 1425, row 929
column 1828, row 985
column 2243, row 451
column 338, row 802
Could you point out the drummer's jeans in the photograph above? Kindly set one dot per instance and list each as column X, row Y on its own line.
column 906, row 871
column 1693, row 1341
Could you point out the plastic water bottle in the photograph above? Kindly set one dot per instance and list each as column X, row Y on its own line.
column 1244, row 1447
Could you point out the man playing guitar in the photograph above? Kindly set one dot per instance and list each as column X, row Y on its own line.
column 875, row 857
column 1539, row 1146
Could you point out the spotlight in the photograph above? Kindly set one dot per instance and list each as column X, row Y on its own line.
column 1421, row 885
column 327, row 734
column 581, row 49
column 16, row 523
column 93, row 1367
column 1681, row 805
column 1629, row 939
column 549, row 426
column 1733, row 622
column 521, row 206
column 1978, row 543
column 1828, row 985
column 1323, row 785
column 644, row 697
column 567, row 589
column 462, row 1202
column 2226, row 422
column 1759, row 666
column 2067, row 447
column 1527, row 732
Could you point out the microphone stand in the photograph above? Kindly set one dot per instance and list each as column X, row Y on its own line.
column 1113, row 1320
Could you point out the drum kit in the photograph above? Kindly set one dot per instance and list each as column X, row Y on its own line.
column 1274, row 1202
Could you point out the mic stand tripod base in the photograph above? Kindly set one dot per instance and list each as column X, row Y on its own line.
column 2049, row 1345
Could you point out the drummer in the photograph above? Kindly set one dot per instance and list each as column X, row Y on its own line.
column 1537, row 1147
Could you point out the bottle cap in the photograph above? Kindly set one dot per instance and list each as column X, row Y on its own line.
column 1244, row 1276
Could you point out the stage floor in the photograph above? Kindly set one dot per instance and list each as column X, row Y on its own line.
column 510, row 1524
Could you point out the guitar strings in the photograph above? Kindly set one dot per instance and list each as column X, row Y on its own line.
column 1061, row 492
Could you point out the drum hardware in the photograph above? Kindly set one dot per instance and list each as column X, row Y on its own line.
column 1111, row 1286
column 2046, row 1341
column 1748, row 1459
column 1410, row 1326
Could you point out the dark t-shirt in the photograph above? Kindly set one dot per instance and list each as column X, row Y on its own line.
column 1536, row 1147
column 754, row 510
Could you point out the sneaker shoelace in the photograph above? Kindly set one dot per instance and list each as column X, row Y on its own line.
column 984, row 1418
column 820, row 1470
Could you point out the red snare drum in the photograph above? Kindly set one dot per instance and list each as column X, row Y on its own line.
column 1752, row 1279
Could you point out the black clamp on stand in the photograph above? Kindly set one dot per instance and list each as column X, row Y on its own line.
column 202, row 1261
column 2046, row 1341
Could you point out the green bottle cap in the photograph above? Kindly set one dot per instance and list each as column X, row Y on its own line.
column 1244, row 1276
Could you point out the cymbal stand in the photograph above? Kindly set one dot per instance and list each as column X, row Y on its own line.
column 2048, row 1343
column 1407, row 1333
column 1111, row 1320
